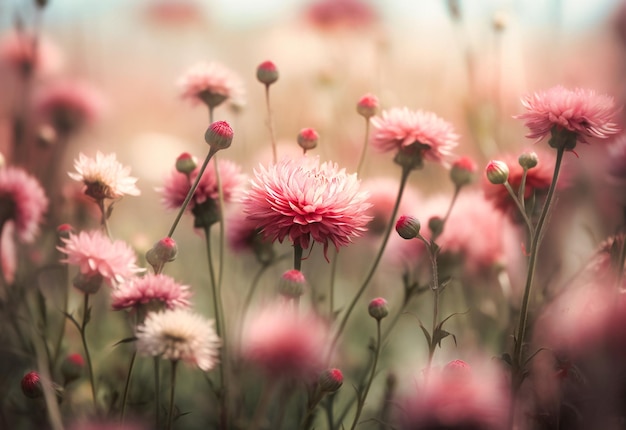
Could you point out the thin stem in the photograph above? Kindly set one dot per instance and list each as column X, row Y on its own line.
column 103, row 220
column 83, row 338
column 263, row 405
column 170, row 418
column 333, row 276
column 297, row 256
column 157, row 391
column 457, row 190
column 127, row 385
column 363, row 395
column 270, row 123
column 435, row 287
column 521, row 191
column 521, row 208
column 365, row 144
column 59, row 341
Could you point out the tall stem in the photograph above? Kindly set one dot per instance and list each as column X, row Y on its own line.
column 83, row 338
column 364, row 150
column 170, row 418
column 127, row 385
column 297, row 256
column 263, row 405
column 270, row 123
column 363, row 395
column 157, row 391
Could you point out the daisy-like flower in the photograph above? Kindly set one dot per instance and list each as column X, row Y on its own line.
column 104, row 177
column 159, row 291
column 96, row 255
column 23, row 201
column 569, row 116
column 179, row 334
column 211, row 83
column 303, row 200
column 414, row 136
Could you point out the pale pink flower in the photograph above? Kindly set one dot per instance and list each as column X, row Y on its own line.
column 151, row 290
column 581, row 111
column 179, row 334
column 177, row 185
column 303, row 200
column 104, row 177
column 95, row 254
column 23, row 201
column 400, row 129
column 283, row 341
column 335, row 14
column 210, row 82
column 17, row 53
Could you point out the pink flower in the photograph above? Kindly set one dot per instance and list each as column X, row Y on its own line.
column 23, row 201
column 159, row 290
column 419, row 132
column 283, row 341
column 211, row 83
column 331, row 14
column 581, row 111
column 104, row 177
column 303, row 200
column 243, row 235
column 18, row 54
column 95, row 254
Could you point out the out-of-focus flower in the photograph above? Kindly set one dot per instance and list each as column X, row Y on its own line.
column 174, row 12
column 303, row 200
column 96, row 255
column 211, row 83
column 582, row 112
column 292, row 284
column 72, row 368
column 367, row 106
column 330, row 380
column 285, row 342
column 267, row 73
column 22, row 201
column 179, row 334
column 463, row 171
column 17, row 53
column 155, row 292
column 337, row 14
column 382, row 196
column 415, row 135
column 31, row 385
column 307, row 139
column 104, row 177
column 244, row 235
column 378, row 309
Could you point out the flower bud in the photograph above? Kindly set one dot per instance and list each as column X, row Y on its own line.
column 528, row 160
column 457, row 369
column 307, row 139
column 462, row 171
column 219, row 135
column 88, row 284
column 497, row 172
column 267, row 73
column 72, row 368
column 64, row 230
column 435, row 225
column 292, row 284
column 164, row 251
column 31, row 385
column 367, row 106
column 186, row 163
column 378, row 308
column 408, row 227
column 330, row 380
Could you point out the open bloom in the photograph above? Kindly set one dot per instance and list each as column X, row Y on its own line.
column 211, row 83
column 151, row 290
column 104, row 177
column 303, row 200
column 179, row 334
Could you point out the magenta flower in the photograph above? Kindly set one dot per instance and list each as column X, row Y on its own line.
column 159, row 290
column 211, row 83
column 95, row 254
column 582, row 112
column 418, row 134
column 303, row 200
column 22, row 201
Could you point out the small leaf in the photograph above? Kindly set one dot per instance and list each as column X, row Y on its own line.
column 126, row 340
column 426, row 334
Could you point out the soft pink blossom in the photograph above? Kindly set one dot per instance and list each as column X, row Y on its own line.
column 334, row 14
column 95, row 254
column 104, row 176
column 211, row 79
column 159, row 290
column 23, row 201
column 581, row 111
column 400, row 128
column 17, row 53
column 303, row 200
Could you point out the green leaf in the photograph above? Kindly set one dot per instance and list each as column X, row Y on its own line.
column 126, row 340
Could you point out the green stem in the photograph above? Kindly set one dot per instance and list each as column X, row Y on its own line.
column 170, row 418
column 521, row 191
column 521, row 207
column 333, row 276
column 263, row 405
column 83, row 338
column 103, row 220
column 127, row 385
column 364, row 151
column 297, row 256
column 270, row 123
column 363, row 395
column 157, row 391
column 59, row 341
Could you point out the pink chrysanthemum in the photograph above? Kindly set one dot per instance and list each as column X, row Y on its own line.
column 303, row 200
column 158, row 290
column 285, row 342
column 401, row 129
column 210, row 82
column 177, row 185
column 104, row 177
column 95, row 254
column 581, row 111
column 17, row 52
column 23, row 201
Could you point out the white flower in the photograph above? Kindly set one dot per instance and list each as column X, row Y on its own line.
column 104, row 177
column 179, row 334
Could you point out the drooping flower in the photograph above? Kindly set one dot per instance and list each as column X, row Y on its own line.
column 416, row 135
column 583, row 113
column 179, row 334
column 153, row 291
column 96, row 255
column 211, row 83
column 302, row 199
column 22, row 201
column 104, row 177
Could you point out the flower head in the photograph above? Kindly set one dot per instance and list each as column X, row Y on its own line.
column 417, row 135
column 95, row 254
column 267, row 73
column 22, row 201
column 244, row 235
column 159, row 291
column 211, row 83
column 367, row 106
column 303, row 200
column 179, row 334
column 104, row 177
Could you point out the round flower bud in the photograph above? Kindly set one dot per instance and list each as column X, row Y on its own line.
column 367, row 106
column 408, row 227
column 435, row 225
column 163, row 251
column 378, row 308
column 64, row 230
column 31, row 385
column 307, row 138
column 72, row 368
column 219, row 135
column 528, row 160
column 267, row 73
column 186, row 163
column 462, row 171
column 88, row 284
column 330, row 380
column 292, row 284
column 497, row 172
